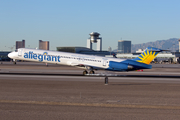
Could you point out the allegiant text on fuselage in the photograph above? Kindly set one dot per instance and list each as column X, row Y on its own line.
column 42, row 57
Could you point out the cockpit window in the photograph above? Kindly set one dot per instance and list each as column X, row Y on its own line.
column 16, row 50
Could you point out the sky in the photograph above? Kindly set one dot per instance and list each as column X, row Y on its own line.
column 69, row 22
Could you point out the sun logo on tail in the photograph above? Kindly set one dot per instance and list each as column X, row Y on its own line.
column 147, row 56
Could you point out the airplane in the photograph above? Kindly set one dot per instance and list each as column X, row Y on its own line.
column 87, row 62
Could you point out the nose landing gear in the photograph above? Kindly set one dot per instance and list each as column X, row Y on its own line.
column 14, row 61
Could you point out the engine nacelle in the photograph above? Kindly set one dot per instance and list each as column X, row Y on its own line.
column 117, row 66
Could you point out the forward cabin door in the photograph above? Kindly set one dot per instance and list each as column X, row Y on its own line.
column 19, row 52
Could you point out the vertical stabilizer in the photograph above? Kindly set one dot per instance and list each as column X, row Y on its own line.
column 148, row 55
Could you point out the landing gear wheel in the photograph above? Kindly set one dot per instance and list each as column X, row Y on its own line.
column 14, row 62
column 85, row 72
column 91, row 72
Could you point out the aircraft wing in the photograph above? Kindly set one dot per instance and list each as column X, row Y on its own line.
column 81, row 65
column 77, row 64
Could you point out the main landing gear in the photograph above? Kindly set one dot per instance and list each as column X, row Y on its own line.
column 90, row 72
column 85, row 72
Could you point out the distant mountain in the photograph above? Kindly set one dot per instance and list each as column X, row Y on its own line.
column 171, row 44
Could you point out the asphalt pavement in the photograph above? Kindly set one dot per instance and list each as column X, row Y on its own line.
column 61, row 92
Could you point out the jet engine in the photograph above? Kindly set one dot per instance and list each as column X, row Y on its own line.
column 117, row 66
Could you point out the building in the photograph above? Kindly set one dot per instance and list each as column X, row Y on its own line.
column 74, row 49
column 20, row 44
column 43, row 45
column 4, row 56
column 140, row 50
column 94, row 38
column 109, row 49
column 124, row 46
column 84, row 50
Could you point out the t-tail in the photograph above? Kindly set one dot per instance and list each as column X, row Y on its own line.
column 148, row 55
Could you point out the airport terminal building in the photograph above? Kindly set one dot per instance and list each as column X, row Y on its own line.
column 84, row 50
column 161, row 57
column 4, row 56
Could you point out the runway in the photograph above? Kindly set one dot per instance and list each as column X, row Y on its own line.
column 45, row 94
column 80, row 78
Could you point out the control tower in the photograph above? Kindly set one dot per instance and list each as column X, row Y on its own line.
column 94, row 38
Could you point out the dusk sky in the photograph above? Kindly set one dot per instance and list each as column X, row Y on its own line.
column 69, row 22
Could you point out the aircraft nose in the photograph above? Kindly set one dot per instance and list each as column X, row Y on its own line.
column 10, row 55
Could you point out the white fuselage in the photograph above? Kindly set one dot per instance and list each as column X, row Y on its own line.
column 62, row 58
